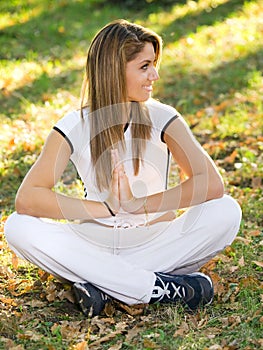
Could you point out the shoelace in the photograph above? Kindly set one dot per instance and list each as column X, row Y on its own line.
column 166, row 290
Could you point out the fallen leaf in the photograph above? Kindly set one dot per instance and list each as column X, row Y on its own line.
column 256, row 182
column 81, row 346
column 244, row 240
column 35, row 303
column 183, row 329
column 254, row 233
column 14, row 261
column 117, row 346
column 215, row 347
column 30, row 335
column 133, row 310
column 231, row 158
column 66, row 294
column 147, row 343
column 233, row 268
column 105, row 338
column 8, row 301
column 241, row 261
column 249, row 282
column 258, row 263
column 132, row 333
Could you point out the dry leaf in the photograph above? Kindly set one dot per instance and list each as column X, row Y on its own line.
column 117, row 346
column 249, row 282
column 215, row 347
column 183, row 329
column 147, row 343
column 66, row 294
column 105, row 338
column 231, row 158
column 254, row 233
column 241, row 261
column 132, row 333
column 133, row 310
column 8, row 301
column 244, row 240
column 233, row 268
column 30, row 335
column 14, row 261
column 35, row 303
column 258, row 263
column 81, row 346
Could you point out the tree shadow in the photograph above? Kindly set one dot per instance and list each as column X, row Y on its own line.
column 185, row 25
column 60, row 31
column 64, row 27
column 225, row 80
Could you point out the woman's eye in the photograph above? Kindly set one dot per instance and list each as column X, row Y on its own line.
column 144, row 67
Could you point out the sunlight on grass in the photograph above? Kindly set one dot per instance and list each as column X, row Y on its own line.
column 159, row 21
column 237, row 36
column 14, row 76
column 24, row 11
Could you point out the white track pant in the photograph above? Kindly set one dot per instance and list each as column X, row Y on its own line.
column 122, row 261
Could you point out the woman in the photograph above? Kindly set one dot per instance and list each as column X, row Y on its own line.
column 127, row 243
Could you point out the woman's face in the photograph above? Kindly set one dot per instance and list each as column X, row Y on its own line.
column 141, row 74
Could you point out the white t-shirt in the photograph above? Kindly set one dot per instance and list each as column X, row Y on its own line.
column 153, row 173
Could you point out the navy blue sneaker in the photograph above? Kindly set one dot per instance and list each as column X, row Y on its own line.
column 192, row 290
column 90, row 299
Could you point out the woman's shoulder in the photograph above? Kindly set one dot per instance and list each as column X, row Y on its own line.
column 156, row 106
column 161, row 113
column 72, row 120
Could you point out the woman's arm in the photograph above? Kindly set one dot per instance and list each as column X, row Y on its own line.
column 36, row 197
column 203, row 181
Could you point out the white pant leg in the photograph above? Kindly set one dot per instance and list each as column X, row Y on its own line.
column 125, row 272
column 56, row 248
column 190, row 240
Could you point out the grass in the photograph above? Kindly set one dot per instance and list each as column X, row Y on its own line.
column 212, row 73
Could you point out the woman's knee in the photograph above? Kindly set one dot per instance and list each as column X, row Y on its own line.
column 229, row 211
column 17, row 228
column 225, row 217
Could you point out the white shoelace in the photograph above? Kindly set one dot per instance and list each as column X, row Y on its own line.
column 160, row 292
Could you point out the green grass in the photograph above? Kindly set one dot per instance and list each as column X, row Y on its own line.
column 212, row 73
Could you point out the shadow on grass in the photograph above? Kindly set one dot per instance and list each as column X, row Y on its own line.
column 64, row 28
column 185, row 25
column 182, row 87
column 225, row 79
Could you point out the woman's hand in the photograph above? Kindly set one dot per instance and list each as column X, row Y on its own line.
column 127, row 200
column 113, row 199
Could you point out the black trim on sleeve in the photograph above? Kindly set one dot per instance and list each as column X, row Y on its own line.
column 166, row 126
column 65, row 137
column 167, row 168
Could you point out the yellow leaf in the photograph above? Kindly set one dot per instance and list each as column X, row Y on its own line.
column 14, row 261
column 8, row 301
column 81, row 346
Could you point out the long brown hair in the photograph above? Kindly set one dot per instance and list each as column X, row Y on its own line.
column 104, row 92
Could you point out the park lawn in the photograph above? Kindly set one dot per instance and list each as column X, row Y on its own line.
column 212, row 73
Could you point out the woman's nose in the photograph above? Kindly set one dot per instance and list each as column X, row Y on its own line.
column 153, row 75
